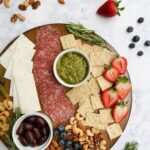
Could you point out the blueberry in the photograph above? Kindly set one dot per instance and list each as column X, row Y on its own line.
column 55, row 132
column 69, row 144
column 76, row 146
column 147, row 43
column 63, row 135
column 140, row 53
column 130, row 29
column 61, row 142
column 136, row 38
column 131, row 45
column 61, row 128
column 140, row 20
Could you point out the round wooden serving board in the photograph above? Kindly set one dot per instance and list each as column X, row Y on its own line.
column 31, row 34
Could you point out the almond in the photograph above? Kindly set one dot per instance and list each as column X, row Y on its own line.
column 31, row 1
column 21, row 17
column 35, row 4
column 61, row 1
column 7, row 3
column 1, row 1
column 22, row 7
column 14, row 18
column 54, row 143
column 26, row 3
column 51, row 147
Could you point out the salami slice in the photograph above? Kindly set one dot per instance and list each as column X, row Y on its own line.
column 52, row 94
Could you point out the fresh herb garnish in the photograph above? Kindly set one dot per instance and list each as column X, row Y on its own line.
column 88, row 35
column 131, row 146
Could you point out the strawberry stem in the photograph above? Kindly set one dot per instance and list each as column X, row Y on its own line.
column 117, row 4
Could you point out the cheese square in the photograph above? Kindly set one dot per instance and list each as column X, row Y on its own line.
column 106, row 116
column 68, row 41
column 27, row 93
column 97, row 71
column 114, row 131
column 96, row 102
column 6, row 57
column 103, row 83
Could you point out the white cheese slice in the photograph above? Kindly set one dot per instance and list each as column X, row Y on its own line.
column 6, row 57
column 20, row 68
column 22, row 54
column 27, row 93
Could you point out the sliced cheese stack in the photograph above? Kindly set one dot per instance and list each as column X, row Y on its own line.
column 18, row 63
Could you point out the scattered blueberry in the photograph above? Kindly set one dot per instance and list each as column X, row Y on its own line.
column 136, row 38
column 147, row 43
column 140, row 20
column 131, row 45
column 61, row 142
column 130, row 29
column 76, row 146
column 55, row 132
column 69, row 144
column 61, row 128
column 63, row 135
column 140, row 53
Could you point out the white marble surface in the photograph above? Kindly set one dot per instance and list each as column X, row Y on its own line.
column 113, row 30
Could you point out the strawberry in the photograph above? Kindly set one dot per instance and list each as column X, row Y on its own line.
column 123, row 87
column 110, row 8
column 109, row 97
column 120, row 112
column 111, row 75
column 120, row 64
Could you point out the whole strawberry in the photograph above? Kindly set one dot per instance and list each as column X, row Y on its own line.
column 110, row 8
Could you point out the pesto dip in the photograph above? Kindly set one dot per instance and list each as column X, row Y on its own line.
column 72, row 68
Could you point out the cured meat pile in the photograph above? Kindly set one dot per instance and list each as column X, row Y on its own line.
column 52, row 94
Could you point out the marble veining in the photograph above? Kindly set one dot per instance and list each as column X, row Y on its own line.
column 114, row 31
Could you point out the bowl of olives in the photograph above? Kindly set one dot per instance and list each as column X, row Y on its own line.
column 32, row 131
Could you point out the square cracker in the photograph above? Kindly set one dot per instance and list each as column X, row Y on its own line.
column 103, row 83
column 93, row 120
column 78, row 94
column 107, row 56
column 78, row 44
column 68, row 41
column 97, row 71
column 96, row 102
column 87, row 49
column 114, row 131
column 106, row 116
column 85, row 107
column 94, row 86
column 95, row 56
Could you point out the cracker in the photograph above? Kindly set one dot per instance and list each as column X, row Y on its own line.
column 107, row 56
column 94, row 86
column 97, row 71
column 106, row 116
column 68, row 41
column 96, row 102
column 86, row 49
column 85, row 107
column 103, row 83
column 78, row 44
column 95, row 56
column 78, row 94
column 114, row 131
column 93, row 120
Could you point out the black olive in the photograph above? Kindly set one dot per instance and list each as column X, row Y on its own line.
column 37, row 133
column 40, row 121
column 20, row 129
column 23, row 141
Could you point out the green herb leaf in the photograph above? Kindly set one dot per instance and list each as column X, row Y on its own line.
column 131, row 146
column 90, row 36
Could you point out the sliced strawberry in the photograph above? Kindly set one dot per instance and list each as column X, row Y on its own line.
column 123, row 87
column 110, row 8
column 109, row 97
column 111, row 75
column 120, row 64
column 120, row 112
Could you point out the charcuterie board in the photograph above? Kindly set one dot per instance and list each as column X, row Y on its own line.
column 84, row 107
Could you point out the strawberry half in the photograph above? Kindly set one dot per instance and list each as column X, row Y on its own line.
column 111, row 75
column 123, row 87
column 109, row 97
column 110, row 8
column 120, row 112
column 120, row 64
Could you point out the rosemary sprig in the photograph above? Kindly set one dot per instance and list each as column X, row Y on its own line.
column 88, row 35
column 131, row 146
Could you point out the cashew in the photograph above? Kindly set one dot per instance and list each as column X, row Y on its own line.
column 81, row 125
column 95, row 131
column 68, row 127
column 85, row 146
column 89, row 133
column 72, row 119
column 75, row 130
column 5, row 103
column 7, row 3
column 1, row 133
column 5, row 127
column 2, row 120
column 78, row 116
column 2, row 108
column 103, row 145
column 83, row 138
column 81, row 133
column 5, row 113
column 10, row 105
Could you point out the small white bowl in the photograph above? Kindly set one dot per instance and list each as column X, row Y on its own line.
column 19, row 121
column 55, row 67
